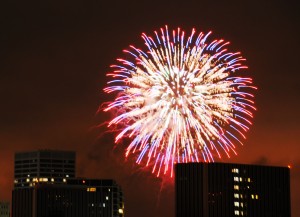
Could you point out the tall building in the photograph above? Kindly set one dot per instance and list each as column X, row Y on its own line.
column 4, row 209
column 43, row 166
column 231, row 190
column 75, row 198
column 45, row 187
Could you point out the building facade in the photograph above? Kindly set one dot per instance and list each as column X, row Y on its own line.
column 75, row 198
column 4, row 209
column 43, row 166
column 231, row 190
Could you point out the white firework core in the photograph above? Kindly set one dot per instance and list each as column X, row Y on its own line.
column 179, row 101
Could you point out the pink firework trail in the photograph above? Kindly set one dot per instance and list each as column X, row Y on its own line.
column 180, row 99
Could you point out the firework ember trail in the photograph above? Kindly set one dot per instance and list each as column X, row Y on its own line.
column 180, row 99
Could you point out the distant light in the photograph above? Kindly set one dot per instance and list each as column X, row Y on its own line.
column 289, row 166
column 91, row 189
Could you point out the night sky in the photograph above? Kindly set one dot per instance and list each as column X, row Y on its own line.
column 54, row 56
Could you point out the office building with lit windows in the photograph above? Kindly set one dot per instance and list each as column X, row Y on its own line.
column 46, row 166
column 231, row 190
column 4, row 209
column 76, row 198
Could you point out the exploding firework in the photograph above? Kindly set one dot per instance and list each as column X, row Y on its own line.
column 181, row 100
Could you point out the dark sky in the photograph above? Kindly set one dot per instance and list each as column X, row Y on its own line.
column 53, row 61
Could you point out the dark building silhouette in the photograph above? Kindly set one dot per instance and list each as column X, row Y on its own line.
column 43, row 166
column 45, row 187
column 77, row 198
column 4, row 209
column 231, row 190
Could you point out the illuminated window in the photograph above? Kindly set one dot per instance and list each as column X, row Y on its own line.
column 52, row 179
column 121, row 211
column 252, row 196
column 237, row 204
column 256, row 197
column 249, row 180
column 43, row 179
column 236, row 179
column 241, row 196
column 106, row 197
column 236, row 195
column 242, row 204
column 236, row 187
column 64, row 180
column 103, row 204
column 236, row 212
column 235, row 170
column 241, row 179
column 27, row 180
column 91, row 189
column 67, row 176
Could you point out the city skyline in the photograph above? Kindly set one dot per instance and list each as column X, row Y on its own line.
column 53, row 66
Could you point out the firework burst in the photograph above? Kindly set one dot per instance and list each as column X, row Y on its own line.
column 180, row 100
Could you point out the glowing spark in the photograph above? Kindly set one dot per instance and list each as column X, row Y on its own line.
column 178, row 101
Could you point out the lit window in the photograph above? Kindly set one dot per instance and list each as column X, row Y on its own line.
column 241, row 179
column 91, row 189
column 27, row 180
column 236, row 179
column 235, row 170
column 242, row 213
column 252, row 196
column 241, row 196
column 52, row 179
column 237, row 204
column 236, row 212
column 236, row 187
column 67, row 176
column 64, row 180
column 236, row 195
column 106, row 197
column 103, row 204
column 249, row 180
column 121, row 211
column 256, row 197
column 242, row 205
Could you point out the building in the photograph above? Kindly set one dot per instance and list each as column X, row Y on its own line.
column 231, row 190
column 45, row 187
column 76, row 198
column 43, row 166
column 4, row 209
